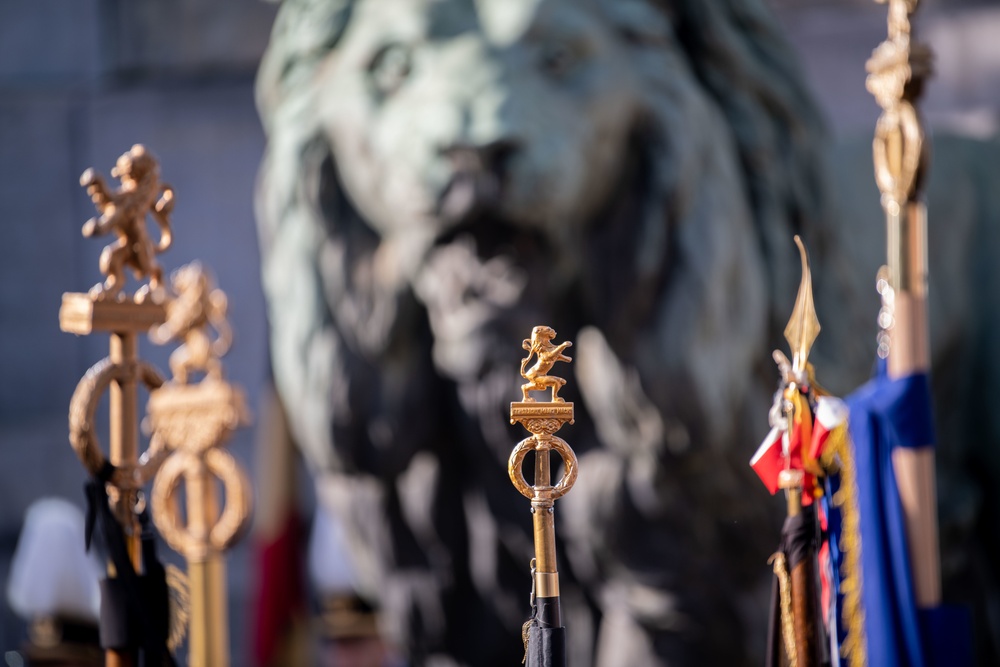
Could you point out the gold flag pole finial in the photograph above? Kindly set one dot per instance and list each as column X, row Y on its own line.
column 188, row 421
column 543, row 419
column 803, row 326
column 797, row 591
column 193, row 420
column 123, row 213
column 107, row 307
column 897, row 70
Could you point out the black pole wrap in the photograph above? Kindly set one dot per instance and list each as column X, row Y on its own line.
column 546, row 636
column 546, row 647
column 547, row 612
column 134, row 607
column 799, row 538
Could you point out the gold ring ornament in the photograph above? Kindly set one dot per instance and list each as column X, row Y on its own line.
column 542, row 445
column 83, row 432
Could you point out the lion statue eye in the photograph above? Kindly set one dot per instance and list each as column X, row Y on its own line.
column 558, row 58
column 390, row 67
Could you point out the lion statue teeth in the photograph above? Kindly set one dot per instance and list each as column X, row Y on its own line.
column 443, row 175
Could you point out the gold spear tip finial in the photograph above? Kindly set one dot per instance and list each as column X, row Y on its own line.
column 803, row 327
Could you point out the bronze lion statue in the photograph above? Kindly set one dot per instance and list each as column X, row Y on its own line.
column 441, row 176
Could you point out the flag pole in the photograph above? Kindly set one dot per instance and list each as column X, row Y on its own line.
column 897, row 71
column 107, row 308
column 193, row 420
column 804, row 639
column 795, row 562
column 543, row 634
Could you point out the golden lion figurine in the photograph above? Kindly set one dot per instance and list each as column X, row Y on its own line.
column 189, row 314
column 547, row 354
column 124, row 213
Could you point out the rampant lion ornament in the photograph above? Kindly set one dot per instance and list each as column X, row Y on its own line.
column 547, row 354
column 123, row 212
column 194, row 309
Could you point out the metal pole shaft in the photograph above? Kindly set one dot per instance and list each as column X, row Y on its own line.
column 209, row 644
column 897, row 71
column 802, row 581
column 124, row 450
column 543, row 509
column 909, row 352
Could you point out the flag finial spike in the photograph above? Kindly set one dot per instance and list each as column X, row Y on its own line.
column 803, row 327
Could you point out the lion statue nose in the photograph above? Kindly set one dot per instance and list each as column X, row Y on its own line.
column 477, row 181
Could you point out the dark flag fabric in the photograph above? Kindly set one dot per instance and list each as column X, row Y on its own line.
column 546, row 647
column 881, row 624
column 797, row 550
column 135, row 606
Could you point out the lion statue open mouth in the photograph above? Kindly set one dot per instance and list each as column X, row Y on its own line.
column 441, row 176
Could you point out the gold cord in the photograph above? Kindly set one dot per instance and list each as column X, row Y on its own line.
column 780, row 564
column 525, row 631
column 837, row 457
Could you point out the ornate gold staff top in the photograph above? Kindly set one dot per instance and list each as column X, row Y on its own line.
column 193, row 421
column 107, row 308
column 896, row 74
column 794, row 567
column 543, row 420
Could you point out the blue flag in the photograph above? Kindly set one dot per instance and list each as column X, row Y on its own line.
column 886, row 414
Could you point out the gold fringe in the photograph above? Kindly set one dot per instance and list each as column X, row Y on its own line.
column 777, row 560
column 525, row 631
column 837, row 458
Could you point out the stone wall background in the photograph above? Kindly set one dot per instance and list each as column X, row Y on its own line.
column 82, row 80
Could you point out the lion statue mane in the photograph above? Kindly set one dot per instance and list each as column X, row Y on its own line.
column 441, row 176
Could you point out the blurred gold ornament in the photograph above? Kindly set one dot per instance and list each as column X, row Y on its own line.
column 195, row 307
column 192, row 421
column 123, row 212
column 803, row 326
column 897, row 70
column 106, row 308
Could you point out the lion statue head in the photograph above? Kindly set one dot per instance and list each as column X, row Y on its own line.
column 442, row 175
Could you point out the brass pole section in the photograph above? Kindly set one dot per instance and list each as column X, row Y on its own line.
column 791, row 482
column 897, row 70
column 803, row 582
column 543, row 420
column 543, row 510
column 123, row 446
column 119, row 374
column 193, row 420
column 543, row 417
column 209, row 641
column 123, row 437
column 803, row 613
column 908, row 354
